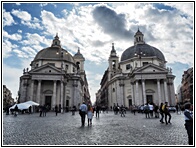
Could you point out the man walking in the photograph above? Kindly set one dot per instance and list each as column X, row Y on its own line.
column 97, row 111
column 167, row 113
column 82, row 112
column 188, row 115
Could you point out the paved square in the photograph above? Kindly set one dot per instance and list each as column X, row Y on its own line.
column 108, row 129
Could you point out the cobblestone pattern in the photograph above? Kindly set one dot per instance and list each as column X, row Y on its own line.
column 108, row 129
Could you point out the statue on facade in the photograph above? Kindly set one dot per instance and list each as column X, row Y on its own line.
column 170, row 70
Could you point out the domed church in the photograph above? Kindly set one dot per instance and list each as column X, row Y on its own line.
column 139, row 77
column 55, row 78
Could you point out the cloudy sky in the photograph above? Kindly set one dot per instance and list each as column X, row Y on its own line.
column 93, row 27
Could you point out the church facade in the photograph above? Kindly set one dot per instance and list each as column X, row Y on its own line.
column 55, row 78
column 139, row 77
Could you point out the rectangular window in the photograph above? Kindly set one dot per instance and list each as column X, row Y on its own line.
column 53, row 64
column 145, row 63
column 128, row 66
column 67, row 66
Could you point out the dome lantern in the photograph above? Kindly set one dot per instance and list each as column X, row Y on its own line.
column 138, row 38
column 56, row 42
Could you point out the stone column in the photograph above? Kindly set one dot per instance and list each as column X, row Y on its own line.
column 38, row 92
column 65, row 97
column 137, row 93
column 159, row 91
column 54, row 94
column 32, row 86
column 133, row 93
column 144, row 91
column 166, row 93
column 61, row 96
column 75, row 85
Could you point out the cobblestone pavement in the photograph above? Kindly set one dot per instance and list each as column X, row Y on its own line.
column 108, row 129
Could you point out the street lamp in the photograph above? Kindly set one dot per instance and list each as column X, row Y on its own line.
column 139, row 55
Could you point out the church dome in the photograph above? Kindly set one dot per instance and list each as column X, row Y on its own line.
column 55, row 52
column 141, row 46
column 148, row 50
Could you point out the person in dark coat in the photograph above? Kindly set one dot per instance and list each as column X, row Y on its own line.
column 16, row 110
column 97, row 111
column 40, row 110
column 30, row 109
column 167, row 113
column 56, row 110
column 188, row 115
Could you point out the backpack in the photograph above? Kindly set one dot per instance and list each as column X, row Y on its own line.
column 163, row 108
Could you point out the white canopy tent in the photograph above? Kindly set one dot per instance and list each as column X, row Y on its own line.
column 24, row 105
column 21, row 106
column 31, row 103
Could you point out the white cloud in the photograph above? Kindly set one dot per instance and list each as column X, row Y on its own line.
column 43, row 4
column 184, row 7
column 11, row 76
column 15, row 36
column 7, row 48
column 23, row 15
column 7, row 18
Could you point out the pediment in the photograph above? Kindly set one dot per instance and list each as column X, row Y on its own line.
column 151, row 68
column 47, row 68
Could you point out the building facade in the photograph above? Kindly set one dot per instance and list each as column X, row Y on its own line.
column 187, row 86
column 7, row 97
column 139, row 77
column 55, row 78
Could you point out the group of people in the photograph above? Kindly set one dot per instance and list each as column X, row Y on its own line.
column 42, row 110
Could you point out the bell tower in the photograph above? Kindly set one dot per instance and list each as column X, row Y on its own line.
column 79, row 61
column 113, row 62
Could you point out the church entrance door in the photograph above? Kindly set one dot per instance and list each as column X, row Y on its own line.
column 48, row 101
column 149, row 98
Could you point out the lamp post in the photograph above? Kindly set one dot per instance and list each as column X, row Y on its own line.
column 139, row 55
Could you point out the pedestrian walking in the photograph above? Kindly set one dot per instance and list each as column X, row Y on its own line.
column 73, row 110
column 188, row 115
column 97, row 111
column 90, row 115
column 134, row 108
column 122, row 111
column 161, row 112
column 16, row 111
column 44, row 110
column 56, row 109
column 147, row 110
column 30, row 109
column 82, row 112
column 40, row 110
column 151, row 109
column 156, row 108
column 167, row 113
